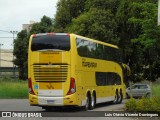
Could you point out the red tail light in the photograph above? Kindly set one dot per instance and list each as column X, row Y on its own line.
column 72, row 88
column 34, row 35
column 30, row 89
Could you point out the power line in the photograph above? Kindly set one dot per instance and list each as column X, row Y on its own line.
column 6, row 37
column 5, row 31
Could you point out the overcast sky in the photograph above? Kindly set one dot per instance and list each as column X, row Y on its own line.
column 14, row 13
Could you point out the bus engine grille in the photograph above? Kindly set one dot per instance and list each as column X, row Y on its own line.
column 55, row 73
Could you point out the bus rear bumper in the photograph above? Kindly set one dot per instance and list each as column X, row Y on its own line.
column 68, row 100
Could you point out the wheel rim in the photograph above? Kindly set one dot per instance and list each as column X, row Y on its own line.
column 120, row 97
column 115, row 99
column 87, row 102
column 93, row 101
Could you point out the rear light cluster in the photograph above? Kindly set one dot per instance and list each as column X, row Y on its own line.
column 72, row 88
column 30, row 88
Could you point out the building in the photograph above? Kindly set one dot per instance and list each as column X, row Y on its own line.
column 7, row 68
column 6, row 58
column 28, row 27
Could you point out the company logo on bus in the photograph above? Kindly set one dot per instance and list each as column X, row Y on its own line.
column 50, row 86
column 89, row 64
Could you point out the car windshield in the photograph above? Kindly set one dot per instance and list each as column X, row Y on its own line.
column 139, row 87
column 51, row 42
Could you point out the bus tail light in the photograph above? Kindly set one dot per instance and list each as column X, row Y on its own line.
column 30, row 89
column 72, row 88
column 34, row 35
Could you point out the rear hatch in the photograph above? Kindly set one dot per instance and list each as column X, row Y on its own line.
column 50, row 64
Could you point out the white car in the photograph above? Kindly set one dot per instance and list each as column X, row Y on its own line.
column 138, row 90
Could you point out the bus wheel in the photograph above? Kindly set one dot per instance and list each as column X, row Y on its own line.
column 86, row 107
column 93, row 101
column 120, row 97
column 116, row 98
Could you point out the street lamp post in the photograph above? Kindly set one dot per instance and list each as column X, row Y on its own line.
column 13, row 33
column 0, row 56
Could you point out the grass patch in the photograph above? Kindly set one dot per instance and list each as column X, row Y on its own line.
column 11, row 88
column 156, row 89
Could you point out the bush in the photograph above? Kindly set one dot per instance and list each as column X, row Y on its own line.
column 130, row 105
column 143, row 104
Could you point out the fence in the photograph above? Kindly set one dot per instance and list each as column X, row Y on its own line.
column 9, row 72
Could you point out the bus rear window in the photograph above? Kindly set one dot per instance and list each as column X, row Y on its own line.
column 51, row 42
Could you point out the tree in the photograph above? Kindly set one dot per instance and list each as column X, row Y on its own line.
column 66, row 11
column 139, row 37
column 96, row 23
column 21, row 44
column 149, row 37
column 132, row 25
column 20, row 52
column 45, row 25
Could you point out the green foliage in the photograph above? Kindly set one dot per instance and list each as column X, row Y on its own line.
column 13, row 89
column 146, row 17
column 66, row 11
column 139, row 37
column 130, row 105
column 45, row 25
column 20, row 52
column 143, row 104
column 22, row 41
column 96, row 23
column 156, row 90
column 132, row 25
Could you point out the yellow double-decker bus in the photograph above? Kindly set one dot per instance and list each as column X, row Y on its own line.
column 71, row 70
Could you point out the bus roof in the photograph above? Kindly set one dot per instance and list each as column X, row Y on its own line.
column 90, row 39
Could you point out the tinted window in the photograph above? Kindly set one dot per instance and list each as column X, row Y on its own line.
column 90, row 49
column 143, row 87
column 60, row 42
column 107, row 78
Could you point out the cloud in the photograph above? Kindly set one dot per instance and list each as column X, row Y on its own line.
column 14, row 13
column 18, row 12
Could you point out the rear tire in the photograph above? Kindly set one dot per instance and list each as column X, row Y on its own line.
column 116, row 98
column 120, row 97
column 86, row 107
column 93, row 101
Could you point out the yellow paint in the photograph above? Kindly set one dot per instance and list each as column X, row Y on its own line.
column 52, row 57
column 49, row 85
column 67, row 64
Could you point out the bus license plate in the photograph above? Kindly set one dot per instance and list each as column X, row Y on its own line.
column 50, row 101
